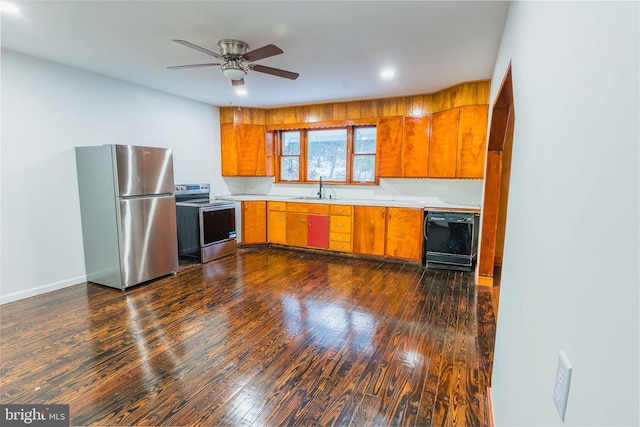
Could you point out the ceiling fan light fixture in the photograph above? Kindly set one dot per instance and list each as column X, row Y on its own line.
column 233, row 70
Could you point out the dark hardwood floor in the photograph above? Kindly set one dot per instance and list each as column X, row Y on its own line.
column 269, row 337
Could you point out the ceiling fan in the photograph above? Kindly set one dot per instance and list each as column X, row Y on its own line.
column 237, row 61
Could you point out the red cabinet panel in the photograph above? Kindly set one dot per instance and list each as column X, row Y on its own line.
column 318, row 231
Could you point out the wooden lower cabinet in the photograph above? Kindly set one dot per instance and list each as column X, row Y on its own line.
column 297, row 229
column 340, row 228
column 369, row 228
column 254, row 222
column 404, row 233
column 277, row 223
column 391, row 232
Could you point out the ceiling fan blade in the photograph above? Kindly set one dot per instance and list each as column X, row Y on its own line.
column 262, row 52
column 274, row 71
column 176, row 67
column 237, row 82
column 201, row 49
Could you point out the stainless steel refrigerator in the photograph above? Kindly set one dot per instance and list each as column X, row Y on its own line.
column 128, row 213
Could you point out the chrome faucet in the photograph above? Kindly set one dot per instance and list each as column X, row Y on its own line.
column 320, row 190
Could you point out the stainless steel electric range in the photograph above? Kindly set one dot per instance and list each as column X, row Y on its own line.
column 206, row 227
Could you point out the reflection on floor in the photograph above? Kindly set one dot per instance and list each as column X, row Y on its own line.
column 264, row 337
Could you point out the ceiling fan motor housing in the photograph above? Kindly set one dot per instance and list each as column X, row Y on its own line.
column 230, row 47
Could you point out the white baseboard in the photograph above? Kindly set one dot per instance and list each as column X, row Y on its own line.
column 4, row 299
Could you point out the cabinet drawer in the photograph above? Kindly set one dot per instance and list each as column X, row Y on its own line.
column 340, row 246
column 340, row 224
column 340, row 237
column 313, row 208
column 341, row 210
column 316, row 208
column 277, row 206
column 297, row 207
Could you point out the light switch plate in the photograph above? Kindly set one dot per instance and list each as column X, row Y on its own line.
column 561, row 386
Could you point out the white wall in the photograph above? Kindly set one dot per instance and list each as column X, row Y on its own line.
column 47, row 110
column 570, row 279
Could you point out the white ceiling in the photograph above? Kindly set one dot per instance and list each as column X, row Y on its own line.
column 338, row 47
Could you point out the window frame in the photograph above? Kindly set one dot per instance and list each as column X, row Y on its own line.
column 303, row 157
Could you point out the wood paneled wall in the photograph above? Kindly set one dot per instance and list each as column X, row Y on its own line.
column 469, row 93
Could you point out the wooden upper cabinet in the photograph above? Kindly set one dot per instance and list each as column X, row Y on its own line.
column 389, row 146
column 245, row 147
column 228, row 150
column 403, row 146
column 249, row 143
column 443, row 147
column 472, row 141
column 415, row 146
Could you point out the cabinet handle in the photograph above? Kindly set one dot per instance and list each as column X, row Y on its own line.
column 389, row 213
column 340, row 225
column 382, row 214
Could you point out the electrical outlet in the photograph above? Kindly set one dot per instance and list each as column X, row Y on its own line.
column 561, row 386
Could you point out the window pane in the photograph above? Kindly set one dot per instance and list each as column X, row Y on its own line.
column 290, row 169
column 365, row 141
column 364, row 168
column 291, row 143
column 327, row 155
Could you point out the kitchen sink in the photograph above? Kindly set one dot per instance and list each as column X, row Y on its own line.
column 308, row 198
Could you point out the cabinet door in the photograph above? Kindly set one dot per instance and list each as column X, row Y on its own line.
column 245, row 150
column 472, row 144
column 404, row 233
column 296, row 229
column 252, row 156
column 389, row 146
column 369, row 230
column 415, row 146
column 318, row 231
column 254, row 222
column 228, row 150
column 443, row 146
column 277, row 227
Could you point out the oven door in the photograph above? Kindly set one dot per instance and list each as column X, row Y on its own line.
column 217, row 224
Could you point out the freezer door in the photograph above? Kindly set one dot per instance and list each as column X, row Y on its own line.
column 143, row 170
column 148, row 242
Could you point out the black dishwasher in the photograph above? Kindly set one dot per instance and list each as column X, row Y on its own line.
column 450, row 240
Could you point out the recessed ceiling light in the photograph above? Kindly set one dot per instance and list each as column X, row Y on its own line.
column 8, row 7
column 241, row 91
column 387, row 73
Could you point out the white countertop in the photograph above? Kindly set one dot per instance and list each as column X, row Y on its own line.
column 402, row 202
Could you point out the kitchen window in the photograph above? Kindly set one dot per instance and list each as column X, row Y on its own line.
column 339, row 155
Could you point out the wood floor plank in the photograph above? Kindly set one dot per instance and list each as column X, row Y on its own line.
column 265, row 337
